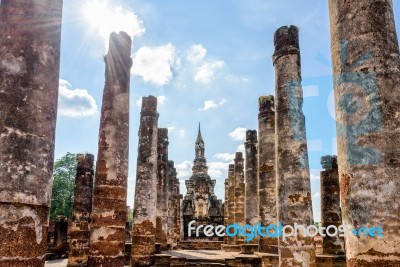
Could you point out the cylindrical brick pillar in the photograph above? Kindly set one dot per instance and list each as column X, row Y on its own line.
column 239, row 194
column 330, row 206
column 162, row 188
column 30, row 33
column 292, row 170
column 231, row 200
column 145, row 208
column 266, row 171
column 366, row 69
column 79, row 231
column 107, row 228
column 251, row 180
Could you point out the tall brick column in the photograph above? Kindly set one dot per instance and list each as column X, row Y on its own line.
column 79, row 231
column 366, row 68
column 239, row 193
column 30, row 33
column 107, row 228
column 266, row 171
column 251, row 184
column 226, row 185
column 231, row 200
column 331, row 213
column 292, row 170
column 162, row 188
column 145, row 208
column 173, row 206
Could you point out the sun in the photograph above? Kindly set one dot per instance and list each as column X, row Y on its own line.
column 97, row 14
column 104, row 18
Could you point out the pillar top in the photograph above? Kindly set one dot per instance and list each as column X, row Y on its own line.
column 286, row 41
column 251, row 136
column 120, row 43
column 238, row 155
column 163, row 132
column 266, row 102
column 231, row 167
column 329, row 162
column 149, row 103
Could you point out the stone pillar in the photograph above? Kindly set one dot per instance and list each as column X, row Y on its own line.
column 266, row 171
column 231, row 200
column 252, row 210
column 292, row 170
column 330, row 205
column 145, row 208
column 173, row 206
column 226, row 209
column 107, row 228
column 177, row 228
column 60, row 236
column 79, row 231
column 182, row 234
column 29, row 72
column 366, row 64
column 162, row 188
column 239, row 193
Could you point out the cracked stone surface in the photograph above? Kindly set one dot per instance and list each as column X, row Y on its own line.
column 108, row 219
column 366, row 70
column 29, row 73
column 292, row 170
column 145, row 205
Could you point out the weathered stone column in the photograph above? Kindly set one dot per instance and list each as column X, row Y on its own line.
column 173, row 205
column 162, row 188
column 292, row 170
column 29, row 72
column 231, row 200
column 239, row 193
column 266, row 171
column 366, row 67
column 79, row 231
column 252, row 210
column 60, row 235
column 226, row 209
column 145, row 208
column 331, row 213
column 177, row 220
column 107, row 228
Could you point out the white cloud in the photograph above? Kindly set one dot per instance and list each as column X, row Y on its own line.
column 184, row 170
column 160, row 101
column 310, row 91
column 154, row 64
column 209, row 104
column 314, row 145
column 217, row 168
column 205, row 74
column 75, row 103
column 182, row 133
column 240, row 148
column 239, row 134
column 225, row 156
column 196, row 53
column 171, row 128
column 317, row 195
column 105, row 19
column 314, row 174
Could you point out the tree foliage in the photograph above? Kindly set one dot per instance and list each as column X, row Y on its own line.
column 63, row 186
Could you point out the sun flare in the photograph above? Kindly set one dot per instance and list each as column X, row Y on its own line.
column 105, row 18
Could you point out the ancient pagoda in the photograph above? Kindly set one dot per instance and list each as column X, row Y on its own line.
column 200, row 202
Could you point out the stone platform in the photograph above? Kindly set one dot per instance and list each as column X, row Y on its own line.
column 206, row 258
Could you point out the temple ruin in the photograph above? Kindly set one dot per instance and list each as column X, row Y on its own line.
column 267, row 187
column 200, row 204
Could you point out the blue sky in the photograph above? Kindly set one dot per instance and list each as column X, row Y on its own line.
column 207, row 61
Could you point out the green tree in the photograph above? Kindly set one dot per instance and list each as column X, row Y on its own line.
column 62, row 198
